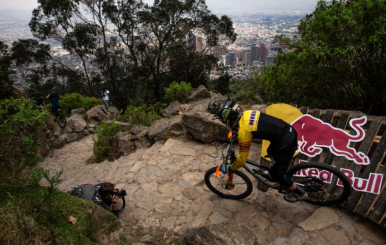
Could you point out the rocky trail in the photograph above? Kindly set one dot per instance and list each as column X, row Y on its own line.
column 168, row 201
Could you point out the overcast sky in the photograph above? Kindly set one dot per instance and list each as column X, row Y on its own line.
column 212, row 4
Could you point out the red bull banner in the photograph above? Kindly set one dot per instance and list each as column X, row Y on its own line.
column 314, row 135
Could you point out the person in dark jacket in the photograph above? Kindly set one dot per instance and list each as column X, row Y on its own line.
column 105, row 197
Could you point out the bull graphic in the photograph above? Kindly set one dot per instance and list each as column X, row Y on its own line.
column 313, row 134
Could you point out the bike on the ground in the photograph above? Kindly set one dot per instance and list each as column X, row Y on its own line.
column 60, row 118
column 324, row 184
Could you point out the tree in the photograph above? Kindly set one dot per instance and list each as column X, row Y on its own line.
column 337, row 62
column 5, row 64
column 139, row 48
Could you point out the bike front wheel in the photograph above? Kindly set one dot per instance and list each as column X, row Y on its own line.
column 62, row 121
column 232, row 185
column 324, row 184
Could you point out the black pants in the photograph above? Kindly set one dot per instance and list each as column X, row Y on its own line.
column 282, row 153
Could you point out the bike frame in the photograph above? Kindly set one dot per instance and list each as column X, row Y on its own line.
column 231, row 154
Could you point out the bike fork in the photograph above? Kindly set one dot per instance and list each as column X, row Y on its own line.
column 230, row 179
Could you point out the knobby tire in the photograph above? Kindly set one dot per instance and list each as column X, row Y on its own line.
column 210, row 176
column 323, row 197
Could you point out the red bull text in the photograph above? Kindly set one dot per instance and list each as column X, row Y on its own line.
column 371, row 185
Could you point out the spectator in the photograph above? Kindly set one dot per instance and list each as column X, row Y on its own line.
column 105, row 94
column 54, row 101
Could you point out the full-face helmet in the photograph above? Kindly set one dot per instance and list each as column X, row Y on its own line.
column 229, row 113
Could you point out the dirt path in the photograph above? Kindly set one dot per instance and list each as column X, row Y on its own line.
column 167, row 196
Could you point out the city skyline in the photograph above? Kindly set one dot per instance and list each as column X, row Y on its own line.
column 214, row 5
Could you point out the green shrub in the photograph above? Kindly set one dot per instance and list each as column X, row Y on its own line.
column 103, row 143
column 143, row 114
column 242, row 91
column 72, row 101
column 30, row 213
column 179, row 92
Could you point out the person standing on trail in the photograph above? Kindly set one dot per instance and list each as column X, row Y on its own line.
column 105, row 95
column 54, row 101
column 283, row 137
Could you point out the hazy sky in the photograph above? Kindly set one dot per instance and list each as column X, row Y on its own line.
column 212, row 4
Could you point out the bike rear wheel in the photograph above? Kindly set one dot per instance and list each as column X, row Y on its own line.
column 233, row 185
column 320, row 182
column 62, row 121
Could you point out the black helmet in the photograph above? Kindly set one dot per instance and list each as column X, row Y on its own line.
column 230, row 113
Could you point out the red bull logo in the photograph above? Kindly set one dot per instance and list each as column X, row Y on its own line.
column 313, row 134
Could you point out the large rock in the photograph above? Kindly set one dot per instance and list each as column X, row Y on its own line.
column 69, row 137
column 76, row 123
column 261, row 108
column 172, row 109
column 113, row 113
column 200, row 93
column 201, row 126
column 223, row 233
column 321, row 218
column 137, row 128
column 175, row 123
column 158, row 129
column 126, row 143
column 201, row 105
column 217, row 97
column 80, row 111
column 97, row 113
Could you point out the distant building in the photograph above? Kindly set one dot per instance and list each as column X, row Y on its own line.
column 199, row 46
column 269, row 61
column 263, row 53
column 255, row 53
column 247, row 58
column 218, row 51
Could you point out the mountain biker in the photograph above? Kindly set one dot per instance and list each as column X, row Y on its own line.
column 283, row 137
column 54, row 101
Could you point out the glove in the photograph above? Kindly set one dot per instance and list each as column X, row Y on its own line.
column 224, row 168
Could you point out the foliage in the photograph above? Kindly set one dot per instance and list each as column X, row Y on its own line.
column 221, row 84
column 20, row 125
column 30, row 213
column 337, row 62
column 179, row 92
column 103, row 143
column 149, row 50
column 74, row 101
column 5, row 63
column 142, row 114
column 243, row 92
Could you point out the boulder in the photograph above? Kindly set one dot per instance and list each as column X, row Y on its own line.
column 216, row 97
column 44, row 139
column 175, row 123
column 201, row 105
column 136, row 129
column 172, row 109
column 223, row 233
column 200, row 93
column 69, row 137
column 58, row 143
column 113, row 113
column 97, row 113
column 261, row 108
column 158, row 129
column 125, row 143
column 80, row 111
column 201, row 126
column 76, row 123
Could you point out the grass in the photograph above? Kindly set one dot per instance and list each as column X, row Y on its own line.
column 21, row 223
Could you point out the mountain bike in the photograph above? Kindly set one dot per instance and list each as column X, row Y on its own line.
column 324, row 184
column 61, row 119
